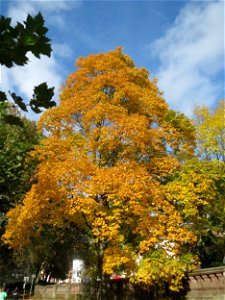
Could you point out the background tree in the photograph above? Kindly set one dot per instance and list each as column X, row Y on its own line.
column 103, row 168
column 15, row 143
column 198, row 188
column 16, row 140
column 16, row 42
column 17, row 134
column 210, row 132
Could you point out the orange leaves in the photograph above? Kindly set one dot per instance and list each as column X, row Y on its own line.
column 105, row 228
column 24, row 221
column 104, row 164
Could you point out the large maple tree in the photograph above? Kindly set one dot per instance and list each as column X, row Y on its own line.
column 111, row 145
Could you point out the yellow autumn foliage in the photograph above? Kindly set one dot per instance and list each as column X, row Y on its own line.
column 103, row 166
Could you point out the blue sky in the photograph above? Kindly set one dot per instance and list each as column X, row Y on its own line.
column 179, row 42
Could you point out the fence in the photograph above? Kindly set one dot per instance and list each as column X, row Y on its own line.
column 203, row 284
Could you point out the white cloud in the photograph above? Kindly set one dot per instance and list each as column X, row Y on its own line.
column 51, row 9
column 46, row 69
column 23, row 79
column 35, row 72
column 47, row 5
column 191, row 56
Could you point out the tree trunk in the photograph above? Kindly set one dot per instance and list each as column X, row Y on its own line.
column 100, row 277
column 38, row 274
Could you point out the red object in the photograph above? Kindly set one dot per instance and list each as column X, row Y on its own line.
column 116, row 277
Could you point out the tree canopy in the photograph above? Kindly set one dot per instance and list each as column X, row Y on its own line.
column 210, row 151
column 198, row 187
column 112, row 146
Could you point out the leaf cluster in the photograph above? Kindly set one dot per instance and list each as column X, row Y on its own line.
column 16, row 42
column 210, row 132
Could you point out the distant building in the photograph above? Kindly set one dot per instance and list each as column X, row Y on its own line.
column 78, row 267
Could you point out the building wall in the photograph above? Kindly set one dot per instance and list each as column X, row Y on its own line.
column 207, row 284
